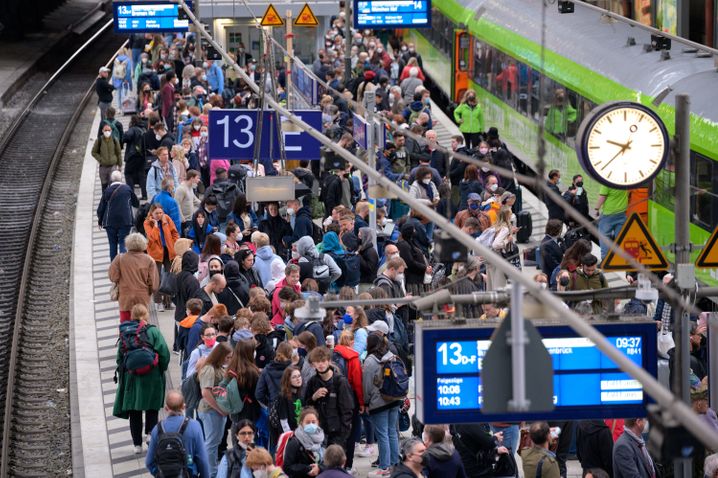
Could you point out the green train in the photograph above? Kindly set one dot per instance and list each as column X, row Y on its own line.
column 494, row 47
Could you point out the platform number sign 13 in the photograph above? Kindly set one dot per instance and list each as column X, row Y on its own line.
column 622, row 144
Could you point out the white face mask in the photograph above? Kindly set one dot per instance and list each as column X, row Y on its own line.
column 392, row 256
column 295, row 255
column 484, row 151
column 260, row 473
column 159, row 138
column 543, row 285
column 204, row 134
column 426, row 181
column 290, row 211
column 485, row 169
column 197, row 127
column 399, row 277
column 107, row 134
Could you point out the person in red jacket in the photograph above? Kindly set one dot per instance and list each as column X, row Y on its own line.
column 354, row 376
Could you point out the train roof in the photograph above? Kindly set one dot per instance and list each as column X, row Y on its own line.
column 600, row 44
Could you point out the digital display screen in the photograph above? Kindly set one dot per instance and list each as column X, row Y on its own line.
column 138, row 17
column 586, row 383
column 392, row 13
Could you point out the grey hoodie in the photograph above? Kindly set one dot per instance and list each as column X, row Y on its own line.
column 308, row 252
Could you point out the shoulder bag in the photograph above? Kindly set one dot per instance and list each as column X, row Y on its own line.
column 115, row 288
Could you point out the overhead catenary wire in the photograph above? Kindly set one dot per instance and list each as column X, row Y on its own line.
column 665, row 398
column 537, row 182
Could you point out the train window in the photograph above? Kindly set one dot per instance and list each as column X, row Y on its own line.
column 482, row 63
column 507, row 79
column 663, row 189
column 704, row 203
column 561, row 114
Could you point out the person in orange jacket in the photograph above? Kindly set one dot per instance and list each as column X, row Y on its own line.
column 161, row 237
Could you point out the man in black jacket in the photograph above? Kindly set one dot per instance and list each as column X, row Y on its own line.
column 555, row 211
column 114, row 213
column 104, row 90
column 332, row 396
column 551, row 250
column 300, row 219
column 135, row 155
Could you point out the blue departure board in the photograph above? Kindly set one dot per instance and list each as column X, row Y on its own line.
column 143, row 17
column 392, row 13
column 586, row 383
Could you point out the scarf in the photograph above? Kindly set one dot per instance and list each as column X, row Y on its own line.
column 429, row 190
column 312, row 443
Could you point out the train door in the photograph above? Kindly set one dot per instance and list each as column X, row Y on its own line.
column 462, row 64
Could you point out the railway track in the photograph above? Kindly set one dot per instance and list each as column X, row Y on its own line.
column 37, row 189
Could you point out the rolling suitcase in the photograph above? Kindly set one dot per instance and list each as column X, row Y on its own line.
column 523, row 221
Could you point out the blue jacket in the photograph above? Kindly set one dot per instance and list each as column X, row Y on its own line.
column 383, row 165
column 115, row 208
column 215, row 78
column 263, row 263
column 193, row 440
column 302, row 226
column 170, row 207
column 154, row 179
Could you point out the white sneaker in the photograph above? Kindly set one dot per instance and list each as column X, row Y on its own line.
column 367, row 451
column 138, row 450
column 160, row 307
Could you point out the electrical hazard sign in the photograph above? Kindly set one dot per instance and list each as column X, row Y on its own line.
column 271, row 18
column 636, row 240
column 306, row 17
column 708, row 258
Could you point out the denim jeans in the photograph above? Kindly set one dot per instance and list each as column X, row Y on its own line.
column 610, row 226
column 213, row 424
column 386, row 430
column 511, row 436
column 116, row 237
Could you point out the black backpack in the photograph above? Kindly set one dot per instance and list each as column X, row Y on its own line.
column 142, row 213
column 226, row 194
column 170, row 453
column 316, row 269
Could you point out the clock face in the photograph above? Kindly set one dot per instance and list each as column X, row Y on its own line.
column 623, row 145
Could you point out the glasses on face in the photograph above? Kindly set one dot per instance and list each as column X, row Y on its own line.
column 246, row 434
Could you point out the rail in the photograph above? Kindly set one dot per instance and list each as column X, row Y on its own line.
column 24, row 280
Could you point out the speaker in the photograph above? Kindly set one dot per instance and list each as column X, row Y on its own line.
column 565, row 6
column 660, row 43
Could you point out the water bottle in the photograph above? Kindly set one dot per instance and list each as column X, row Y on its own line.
column 330, row 341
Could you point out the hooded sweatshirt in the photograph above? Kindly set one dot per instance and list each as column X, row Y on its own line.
column 308, row 252
column 268, row 387
column 443, row 461
column 594, row 445
column 187, row 283
column 263, row 263
column 235, row 290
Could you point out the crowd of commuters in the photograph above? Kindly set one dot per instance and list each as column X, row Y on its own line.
column 267, row 392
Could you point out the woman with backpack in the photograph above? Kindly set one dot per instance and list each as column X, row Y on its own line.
column 234, row 461
column 213, row 417
column 242, row 367
column 383, row 413
column 304, row 450
column 141, row 366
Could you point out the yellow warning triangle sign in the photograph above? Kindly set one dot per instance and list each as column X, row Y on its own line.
column 271, row 18
column 306, row 18
column 708, row 258
column 638, row 242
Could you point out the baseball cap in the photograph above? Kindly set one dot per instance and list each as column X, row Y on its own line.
column 379, row 326
column 474, row 197
column 104, row 69
column 506, row 196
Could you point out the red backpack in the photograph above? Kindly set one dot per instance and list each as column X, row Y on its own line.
column 281, row 445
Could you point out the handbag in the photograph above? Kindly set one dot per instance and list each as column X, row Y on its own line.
column 512, row 255
column 168, row 284
column 115, row 288
column 665, row 342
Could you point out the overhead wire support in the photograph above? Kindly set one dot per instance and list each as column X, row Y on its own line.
column 683, row 413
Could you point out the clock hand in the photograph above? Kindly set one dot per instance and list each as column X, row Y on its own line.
column 623, row 149
column 615, row 143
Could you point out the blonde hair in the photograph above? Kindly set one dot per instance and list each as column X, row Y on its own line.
column 503, row 218
column 259, row 457
column 178, row 152
column 346, row 338
column 140, row 313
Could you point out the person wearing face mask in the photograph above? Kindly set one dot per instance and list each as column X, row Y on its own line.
column 412, row 460
column 304, row 450
column 589, row 277
column 470, row 117
column 425, row 191
column 555, row 211
column 392, row 279
column 209, row 342
column 469, row 184
column 234, row 461
column 300, row 219
column 411, row 253
column 107, row 151
column 260, row 462
column 577, row 197
column 332, row 396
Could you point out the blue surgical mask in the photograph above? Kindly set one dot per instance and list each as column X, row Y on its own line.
column 311, row 428
column 473, row 206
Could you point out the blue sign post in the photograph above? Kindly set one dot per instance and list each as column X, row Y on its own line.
column 392, row 13
column 138, row 17
column 232, row 135
column 586, row 383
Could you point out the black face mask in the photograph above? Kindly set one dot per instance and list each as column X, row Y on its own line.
column 579, row 184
